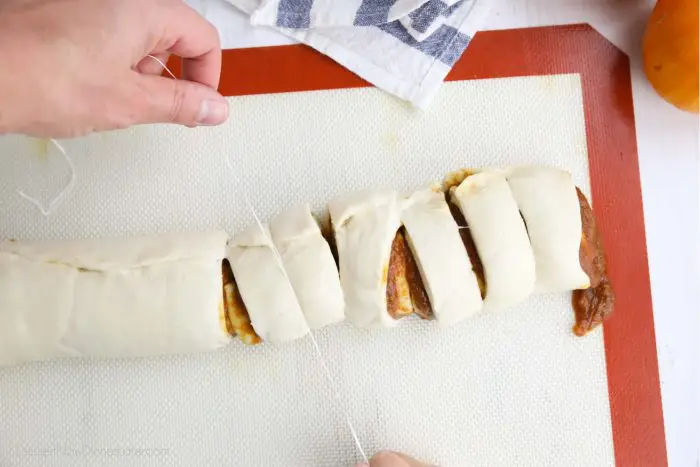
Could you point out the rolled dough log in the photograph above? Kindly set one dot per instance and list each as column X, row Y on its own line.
column 133, row 297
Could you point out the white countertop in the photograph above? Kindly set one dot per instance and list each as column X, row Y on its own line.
column 669, row 163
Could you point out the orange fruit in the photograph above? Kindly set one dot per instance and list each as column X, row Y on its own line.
column 670, row 52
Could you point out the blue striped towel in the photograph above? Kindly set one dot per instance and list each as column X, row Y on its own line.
column 405, row 47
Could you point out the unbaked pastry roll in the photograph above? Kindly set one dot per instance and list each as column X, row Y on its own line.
column 548, row 202
column 500, row 236
column 111, row 298
column 264, row 287
column 443, row 262
column 365, row 224
column 310, row 266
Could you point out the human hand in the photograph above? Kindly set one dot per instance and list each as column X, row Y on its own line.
column 73, row 67
column 393, row 459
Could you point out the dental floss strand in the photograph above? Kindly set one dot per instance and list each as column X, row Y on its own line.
column 46, row 211
column 278, row 258
column 165, row 67
column 322, row 360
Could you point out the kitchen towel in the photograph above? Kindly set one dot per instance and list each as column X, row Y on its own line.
column 405, row 47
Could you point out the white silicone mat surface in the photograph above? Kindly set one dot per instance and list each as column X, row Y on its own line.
column 515, row 388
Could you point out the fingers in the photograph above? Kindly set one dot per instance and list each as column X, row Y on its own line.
column 196, row 40
column 177, row 101
column 411, row 462
column 393, row 459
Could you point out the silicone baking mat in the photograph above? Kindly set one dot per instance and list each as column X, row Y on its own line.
column 514, row 388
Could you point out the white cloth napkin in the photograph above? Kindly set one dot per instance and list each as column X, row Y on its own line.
column 405, row 47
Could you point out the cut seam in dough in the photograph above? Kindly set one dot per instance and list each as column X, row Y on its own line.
column 310, row 266
column 500, row 236
column 365, row 224
column 266, row 291
column 440, row 254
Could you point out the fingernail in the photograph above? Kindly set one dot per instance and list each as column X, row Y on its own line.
column 212, row 112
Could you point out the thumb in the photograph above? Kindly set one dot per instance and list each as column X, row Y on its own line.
column 179, row 101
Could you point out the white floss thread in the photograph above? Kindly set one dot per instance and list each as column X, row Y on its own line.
column 322, row 360
column 46, row 211
column 165, row 67
column 278, row 258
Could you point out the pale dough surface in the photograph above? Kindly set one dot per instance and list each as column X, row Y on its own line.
column 310, row 266
column 114, row 298
column 36, row 301
column 548, row 202
column 264, row 286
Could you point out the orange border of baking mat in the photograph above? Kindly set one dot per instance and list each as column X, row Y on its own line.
column 630, row 344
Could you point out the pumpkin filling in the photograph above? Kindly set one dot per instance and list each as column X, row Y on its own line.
column 596, row 303
column 237, row 317
column 327, row 233
column 405, row 292
column 452, row 180
column 469, row 245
